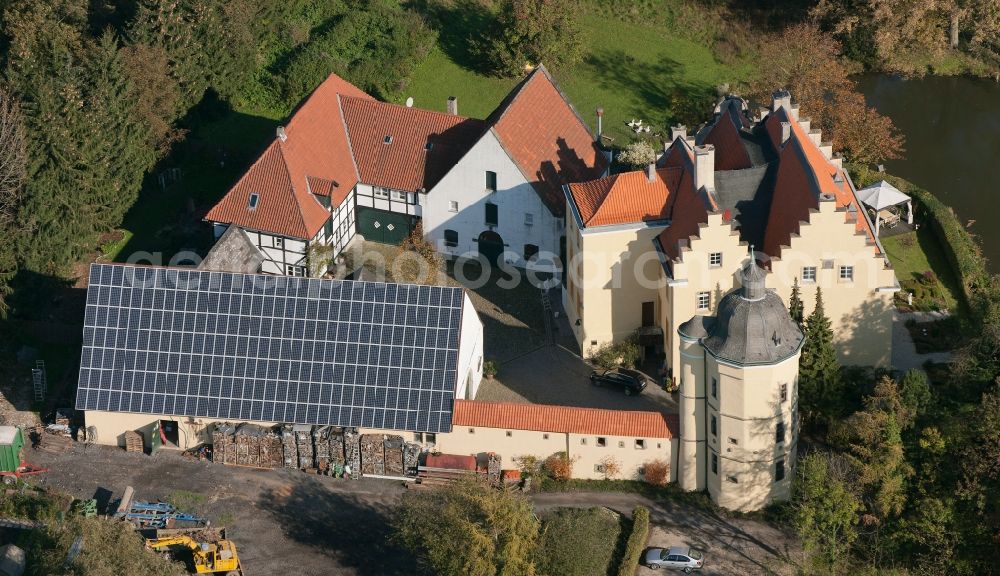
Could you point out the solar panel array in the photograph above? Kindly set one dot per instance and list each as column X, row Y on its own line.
column 228, row 346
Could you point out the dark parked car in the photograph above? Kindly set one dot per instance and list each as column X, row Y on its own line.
column 629, row 380
column 675, row 557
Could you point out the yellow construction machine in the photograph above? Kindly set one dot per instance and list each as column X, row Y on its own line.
column 209, row 557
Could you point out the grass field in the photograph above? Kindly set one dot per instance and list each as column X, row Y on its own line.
column 914, row 253
column 631, row 70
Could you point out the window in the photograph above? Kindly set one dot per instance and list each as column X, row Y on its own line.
column 847, row 273
column 703, row 300
column 621, row 443
column 509, row 433
column 529, row 218
column 779, row 433
column 491, row 181
column 732, row 479
column 640, row 444
column 715, row 426
column 279, row 242
column 380, row 192
column 779, row 470
column 808, row 273
column 418, row 437
column 783, row 392
column 430, row 438
column 450, row 238
column 715, row 259
column 530, row 251
column 452, row 206
column 602, row 442
column 715, row 463
column 715, row 387
column 733, row 441
column 472, row 430
column 545, row 436
column 398, row 195
column 599, row 468
column 295, row 270
column 583, row 441
column 387, row 139
column 492, row 217
column 254, row 199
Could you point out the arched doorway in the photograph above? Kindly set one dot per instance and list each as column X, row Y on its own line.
column 491, row 246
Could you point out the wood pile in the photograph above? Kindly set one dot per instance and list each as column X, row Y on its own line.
column 352, row 451
column 411, row 458
column 321, row 446
column 427, row 476
column 134, row 442
column 247, row 445
column 337, row 448
column 372, row 454
column 290, row 456
column 304, row 446
column 494, row 472
column 393, row 447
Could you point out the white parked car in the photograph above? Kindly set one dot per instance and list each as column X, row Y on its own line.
column 675, row 558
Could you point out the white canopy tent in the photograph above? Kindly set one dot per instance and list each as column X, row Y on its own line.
column 882, row 195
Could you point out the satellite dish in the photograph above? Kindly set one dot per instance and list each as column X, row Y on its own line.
column 409, row 102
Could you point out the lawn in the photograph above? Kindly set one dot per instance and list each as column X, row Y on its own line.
column 577, row 542
column 632, row 70
column 914, row 253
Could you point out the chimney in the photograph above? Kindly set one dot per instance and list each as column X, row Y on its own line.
column 679, row 131
column 651, row 172
column 453, row 105
column 786, row 132
column 782, row 98
column 704, row 167
column 281, row 133
column 600, row 123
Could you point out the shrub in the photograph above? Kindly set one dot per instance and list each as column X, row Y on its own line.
column 636, row 541
column 528, row 465
column 490, row 368
column 613, row 354
column 656, row 472
column 612, row 467
column 576, row 542
column 559, row 466
column 637, row 154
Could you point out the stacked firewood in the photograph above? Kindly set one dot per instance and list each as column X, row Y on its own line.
column 224, row 443
column 321, row 446
column 393, row 450
column 290, row 456
column 304, row 447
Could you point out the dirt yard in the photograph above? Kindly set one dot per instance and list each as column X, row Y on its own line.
column 285, row 521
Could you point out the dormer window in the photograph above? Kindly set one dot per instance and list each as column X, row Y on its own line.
column 254, row 200
column 388, row 139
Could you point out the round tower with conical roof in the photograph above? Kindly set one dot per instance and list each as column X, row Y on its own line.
column 738, row 396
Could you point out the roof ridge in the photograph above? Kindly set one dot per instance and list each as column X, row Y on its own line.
column 347, row 135
column 403, row 107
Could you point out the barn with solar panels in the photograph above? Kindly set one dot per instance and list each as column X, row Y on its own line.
column 178, row 350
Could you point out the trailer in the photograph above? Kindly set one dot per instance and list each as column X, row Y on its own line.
column 12, row 464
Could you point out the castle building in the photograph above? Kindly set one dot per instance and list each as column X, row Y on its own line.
column 738, row 397
column 648, row 249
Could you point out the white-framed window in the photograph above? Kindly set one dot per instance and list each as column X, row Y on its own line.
column 379, row 192
column 640, row 444
column 808, row 273
column 291, row 270
column 783, row 393
column 715, row 259
column 704, row 299
column 529, row 219
column 452, row 206
column 847, row 273
column 279, row 242
column 398, row 195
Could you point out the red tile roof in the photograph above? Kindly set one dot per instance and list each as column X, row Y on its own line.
column 405, row 163
column 564, row 419
column 451, row 462
column 545, row 137
column 316, row 150
column 687, row 211
column 625, row 198
column 730, row 153
column 803, row 174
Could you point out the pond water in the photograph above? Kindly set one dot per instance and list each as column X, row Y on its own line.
column 952, row 128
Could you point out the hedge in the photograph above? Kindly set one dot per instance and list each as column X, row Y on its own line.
column 636, row 541
column 960, row 248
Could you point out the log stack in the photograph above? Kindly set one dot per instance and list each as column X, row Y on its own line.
column 290, row 455
column 224, row 443
column 393, row 450
column 494, row 472
column 257, row 447
column 304, row 446
column 411, row 458
column 321, row 446
column 337, row 457
column 352, row 451
column 372, row 454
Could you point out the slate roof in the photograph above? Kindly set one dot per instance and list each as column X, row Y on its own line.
column 752, row 325
column 626, row 197
column 546, row 138
column 405, row 163
column 316, row 151
column 233, row 252
column 564, row 419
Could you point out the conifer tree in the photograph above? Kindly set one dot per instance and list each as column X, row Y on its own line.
column 795, row 308
column 819, row 372
column 13, row 159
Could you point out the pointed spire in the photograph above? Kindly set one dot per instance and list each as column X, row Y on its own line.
column 752, row 277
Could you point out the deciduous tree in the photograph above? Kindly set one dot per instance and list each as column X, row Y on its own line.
column 637, row 154
column 825, row 511
column 531, row 32
column 469, row 529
